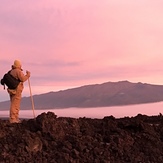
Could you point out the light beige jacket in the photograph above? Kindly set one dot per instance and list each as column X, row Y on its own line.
column 18, row 74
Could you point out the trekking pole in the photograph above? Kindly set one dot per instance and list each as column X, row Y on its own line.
column 31, row 97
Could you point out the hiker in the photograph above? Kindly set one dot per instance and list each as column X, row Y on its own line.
column 15, row 94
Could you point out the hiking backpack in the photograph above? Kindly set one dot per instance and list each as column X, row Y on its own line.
column 10, row 81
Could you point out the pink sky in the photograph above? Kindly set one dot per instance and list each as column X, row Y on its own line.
column 70, row 43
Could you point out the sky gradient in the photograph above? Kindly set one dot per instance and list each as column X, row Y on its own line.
column 68, row 43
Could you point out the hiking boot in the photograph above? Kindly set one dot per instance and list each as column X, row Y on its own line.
column 15, row 121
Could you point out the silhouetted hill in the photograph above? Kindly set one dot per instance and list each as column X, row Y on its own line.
column 97, row 95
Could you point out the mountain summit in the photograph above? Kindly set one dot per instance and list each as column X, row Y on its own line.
column 96, row 95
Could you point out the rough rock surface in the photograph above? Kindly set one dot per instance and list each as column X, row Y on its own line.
column 48, row 139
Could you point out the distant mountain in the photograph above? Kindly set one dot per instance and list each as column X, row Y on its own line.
column 97, row 95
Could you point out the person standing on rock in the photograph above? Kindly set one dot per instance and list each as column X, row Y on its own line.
column 15, row 94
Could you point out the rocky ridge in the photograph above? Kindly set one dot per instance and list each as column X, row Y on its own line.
column 52, row 139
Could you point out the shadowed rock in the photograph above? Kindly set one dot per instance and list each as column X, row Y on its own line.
column 49, row 139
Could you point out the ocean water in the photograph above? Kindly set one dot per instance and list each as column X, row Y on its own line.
column 99, row 112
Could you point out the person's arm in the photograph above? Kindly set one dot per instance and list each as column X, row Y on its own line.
column 23, row 77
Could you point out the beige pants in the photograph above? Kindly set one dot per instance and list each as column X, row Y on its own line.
column 15, row 98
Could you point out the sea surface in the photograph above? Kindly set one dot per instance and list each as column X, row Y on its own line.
column 99, row 112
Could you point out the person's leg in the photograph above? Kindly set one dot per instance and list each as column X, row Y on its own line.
column 13, row 109
column 15, row 106
column 12, row 116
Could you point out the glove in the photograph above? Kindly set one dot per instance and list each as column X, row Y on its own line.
column 28, row 73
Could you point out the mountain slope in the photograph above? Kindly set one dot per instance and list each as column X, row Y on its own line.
column 97, row 95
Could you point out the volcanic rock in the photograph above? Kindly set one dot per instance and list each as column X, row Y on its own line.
column 52, row 139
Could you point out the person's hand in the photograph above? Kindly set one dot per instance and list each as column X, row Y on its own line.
column 28, row 73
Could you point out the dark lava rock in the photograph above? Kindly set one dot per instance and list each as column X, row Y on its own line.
column 48, row 139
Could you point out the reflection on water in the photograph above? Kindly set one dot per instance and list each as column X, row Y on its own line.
column 99, row 112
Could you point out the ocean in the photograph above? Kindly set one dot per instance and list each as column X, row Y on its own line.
column 99, row 112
